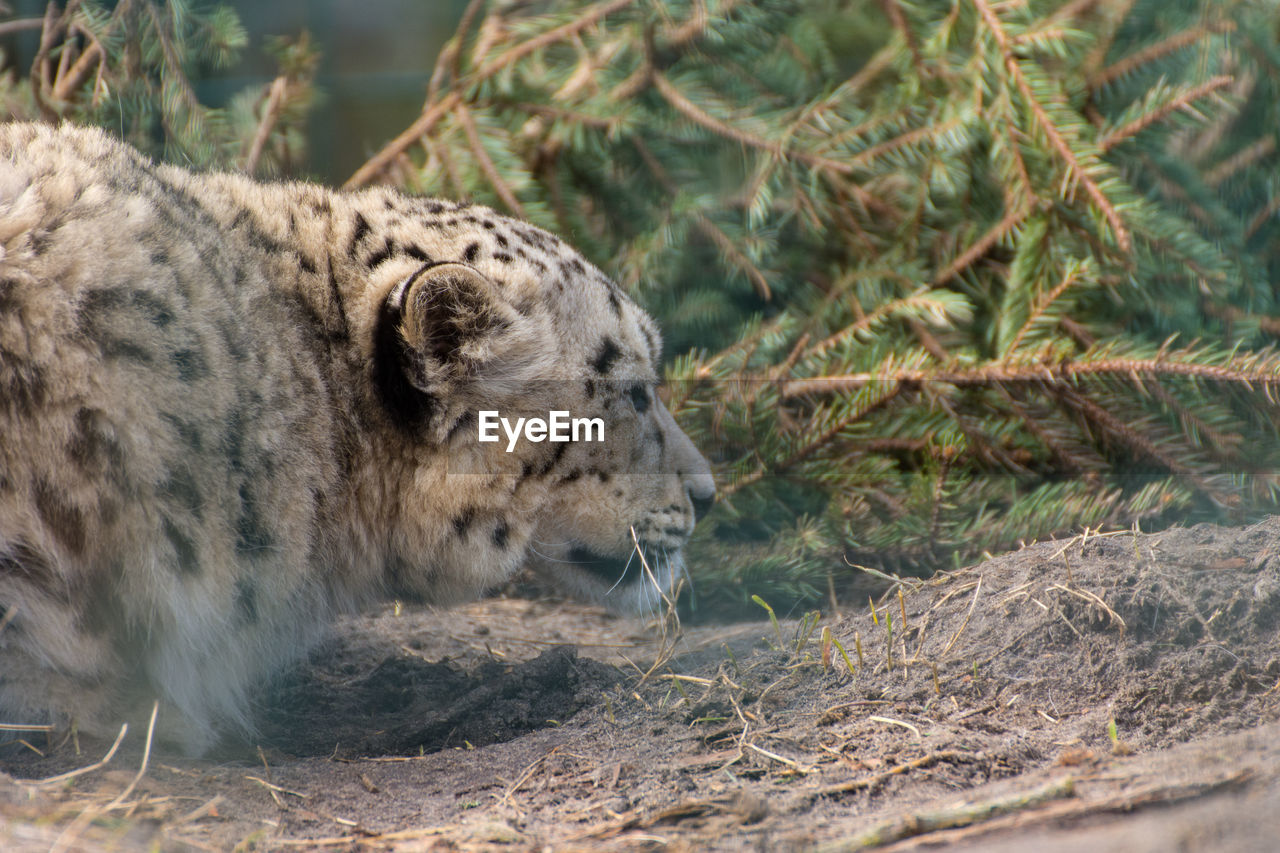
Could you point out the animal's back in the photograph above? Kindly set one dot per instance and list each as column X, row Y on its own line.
column 158, row 402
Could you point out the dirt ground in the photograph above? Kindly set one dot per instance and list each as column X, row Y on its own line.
column 1113, row 692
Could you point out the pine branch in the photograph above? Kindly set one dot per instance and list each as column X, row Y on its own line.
column 696, row 114
column 172, row 61
column 1072, row 277
column 380, row 161
column 1114, row 137
column 927, row 302
column 1242, row 159
column 983, row 244
column 495, row 179
column 1259, row 219
column 814, row 443
column 1118, row 429
column 706, row 226
column 577, row 25
column 1050, row 129
column 1242, row 371
column 1160, row 49
column 864, row 158
column 893, row 12
column 869, row 413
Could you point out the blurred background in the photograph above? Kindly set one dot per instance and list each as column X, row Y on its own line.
column 374, row 58
column 937, row 278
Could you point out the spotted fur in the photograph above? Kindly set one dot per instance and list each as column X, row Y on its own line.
column 229, row 410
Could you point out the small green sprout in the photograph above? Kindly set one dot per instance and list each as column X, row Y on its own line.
column 772, row 618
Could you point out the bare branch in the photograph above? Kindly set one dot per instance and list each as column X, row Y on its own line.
column 20, row 25
column 68, row 83
column 270, row 114
column 450, row 59
column 420, row 127
column 501, row 187
column 432, row 114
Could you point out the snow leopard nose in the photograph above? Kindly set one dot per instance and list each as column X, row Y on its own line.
column 702, row 500
column 691, row 466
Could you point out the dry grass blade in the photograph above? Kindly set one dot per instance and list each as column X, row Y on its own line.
column 691, row 679
column 274, row 788
column 27, row 727
column 955, row 816
column 669, row 621
column 203, row 811
column 67, row 838
column 72, row 774
column 892, row 722
column 977, row 590
column 877, row 779
column 146, row 759
column 781, row 759
column 525, row 775
column 1093, row 599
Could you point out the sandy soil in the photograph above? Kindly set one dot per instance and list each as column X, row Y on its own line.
column 1112, row 692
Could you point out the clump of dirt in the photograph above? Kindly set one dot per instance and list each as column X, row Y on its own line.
column 1060, row 692
column 409, row 706
column 1172, row 635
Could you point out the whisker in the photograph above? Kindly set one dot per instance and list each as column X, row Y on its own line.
column 551, row 559
column 630, row 557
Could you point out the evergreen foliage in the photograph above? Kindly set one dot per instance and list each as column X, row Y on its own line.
column 129, row 66
column 937, row 276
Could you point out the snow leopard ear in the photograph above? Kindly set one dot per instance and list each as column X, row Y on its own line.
column 447, row 331
column 452, row 316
